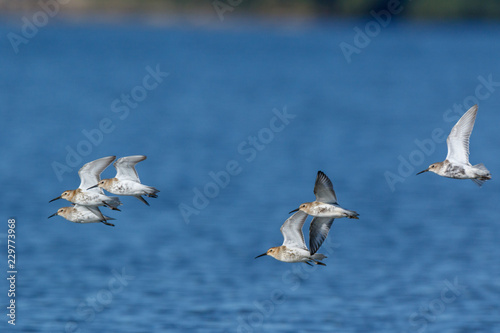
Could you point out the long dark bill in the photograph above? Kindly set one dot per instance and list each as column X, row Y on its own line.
column 59, row 197
column 261, row 255
column 422, row 171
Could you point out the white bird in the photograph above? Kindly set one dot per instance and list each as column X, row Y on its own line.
column 294, row 248
column 89, row 175
column 325, row 209
column 126, row 181
column 456, row 165
column 83, row 214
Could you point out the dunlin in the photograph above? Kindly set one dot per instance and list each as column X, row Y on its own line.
column 83, row 214
column 294, row 248
column 89, row 175
column 456, row 165
column 126, row 181
column 324, row 210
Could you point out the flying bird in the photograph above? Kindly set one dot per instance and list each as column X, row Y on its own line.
column 89, row 175
column 83, row 214
column 456, row 165
column 325, row 209
column 294, row 248
column 126, row 181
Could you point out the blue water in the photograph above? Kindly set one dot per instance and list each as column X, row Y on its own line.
column 160, row 271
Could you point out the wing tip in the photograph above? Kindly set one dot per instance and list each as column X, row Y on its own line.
column 132, row 158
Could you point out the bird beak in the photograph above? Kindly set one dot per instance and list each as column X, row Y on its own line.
column 52, row 215
column 93, row 186
column 263, row 254
column 294, row 210
column 59, row 197
column 423, row 171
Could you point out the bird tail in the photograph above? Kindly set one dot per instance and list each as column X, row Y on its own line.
column 351, row 214
column 318, row 256
column 481, row 167
column 151, row 192
column 315, row 258
column 483, row 174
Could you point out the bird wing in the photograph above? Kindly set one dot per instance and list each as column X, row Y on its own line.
column 323, row 189
column 90, row 173
column 125, row 167
column 292, row 231
column 96, row 211
column 458, row 140
column 320, row 226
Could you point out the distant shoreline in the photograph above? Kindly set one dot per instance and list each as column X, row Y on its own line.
column 220, row 9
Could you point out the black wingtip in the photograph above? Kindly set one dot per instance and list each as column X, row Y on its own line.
column 142, row 199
